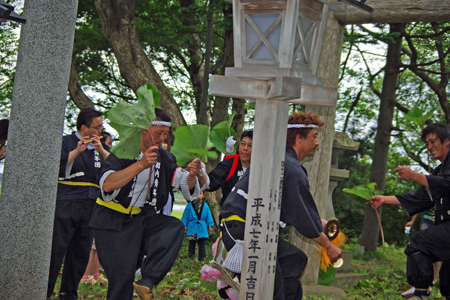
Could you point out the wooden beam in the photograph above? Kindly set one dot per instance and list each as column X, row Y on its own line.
column 397, row 11
column 317, row 95
column 279, row 88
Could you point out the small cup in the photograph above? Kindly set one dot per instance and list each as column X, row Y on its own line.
column 407, row 230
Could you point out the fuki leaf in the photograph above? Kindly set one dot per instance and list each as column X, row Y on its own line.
column 219, row 138
column 221, row 132
column 131, row 119
column 192, row 142
column 418, row 116
column 365, row 191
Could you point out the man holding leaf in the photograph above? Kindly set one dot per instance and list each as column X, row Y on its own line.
column 433, row 244
column 125, row 221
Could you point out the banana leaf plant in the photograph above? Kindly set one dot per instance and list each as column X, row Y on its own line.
column 192, row 142
column 131, row 119
column 367, row 191
column 220, row 133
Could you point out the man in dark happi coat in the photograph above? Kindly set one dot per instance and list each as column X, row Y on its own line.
column 126, row 222
column 230, row 170
column 79, row 174
column 433, row 244
column 297, row 208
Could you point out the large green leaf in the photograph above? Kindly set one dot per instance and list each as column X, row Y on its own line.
column 131, row 119
column 326, row 278
column 365, row 191
column 418, row 116
column 221, row 132
column 192, row 142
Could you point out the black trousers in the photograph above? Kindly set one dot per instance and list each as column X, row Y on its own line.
column 291, row 262
column 201, row 248
column 72, row 238
column 424, row 248
column 157, row 236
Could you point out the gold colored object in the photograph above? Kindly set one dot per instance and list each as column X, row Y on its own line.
column 338, row 263
column 332, row 229
column 90, row 141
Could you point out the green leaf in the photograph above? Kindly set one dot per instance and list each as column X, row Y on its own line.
column 219, row 138
column 221, row 132
column 417, row 115
column 326, row 278
column 365, row 191
column 192, row 142
column 131, row 119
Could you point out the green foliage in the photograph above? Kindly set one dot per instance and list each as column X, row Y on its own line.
column 365, row 191
column 221, row 132
column 192, row 142
column 418, row 116
column 131, row 119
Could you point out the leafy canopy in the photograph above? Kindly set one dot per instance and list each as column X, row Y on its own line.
column 131, row 119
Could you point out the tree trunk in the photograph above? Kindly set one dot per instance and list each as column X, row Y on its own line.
column 75, row 91
column 370, row 231
column 119, row 29
column 319, row 167
column 220, row 110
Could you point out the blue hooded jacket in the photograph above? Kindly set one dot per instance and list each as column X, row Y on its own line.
column 194, row 224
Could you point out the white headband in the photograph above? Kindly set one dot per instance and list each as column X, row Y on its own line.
column 161, row 123
column 302, row 126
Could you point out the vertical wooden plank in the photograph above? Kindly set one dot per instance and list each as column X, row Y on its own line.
column 318, row 45
column 239, row 40
column 264, row 200
column 288, row 32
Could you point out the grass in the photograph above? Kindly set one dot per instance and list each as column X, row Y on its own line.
column 386, row 270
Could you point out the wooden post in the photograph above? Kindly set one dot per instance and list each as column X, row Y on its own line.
column 264, row 200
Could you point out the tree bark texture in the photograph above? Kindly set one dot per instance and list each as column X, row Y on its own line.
column 400, row 11
column 75, row 91
column 119, row 29
column 319, row 167
column 370, row 231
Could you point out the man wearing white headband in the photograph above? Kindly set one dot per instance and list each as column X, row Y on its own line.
column 298, row 208
column 126, row 222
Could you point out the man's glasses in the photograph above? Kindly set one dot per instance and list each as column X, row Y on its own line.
column 98, row 128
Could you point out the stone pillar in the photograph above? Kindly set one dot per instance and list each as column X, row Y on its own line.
column 34, row 143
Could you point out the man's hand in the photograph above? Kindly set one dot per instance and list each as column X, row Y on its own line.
column 195, row 167
column 149, row 157
column 81, row 146
column 377, row 201
column 405, row 173
column 334, row 253
column 98, row 146
column 324, row 222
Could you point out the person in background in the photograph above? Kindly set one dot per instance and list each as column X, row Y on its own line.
column 232, row 168
column 298, row 209
column 433, row 244
column 4, row 125
column 82, row 157
column 107, row 138
column 199, row 223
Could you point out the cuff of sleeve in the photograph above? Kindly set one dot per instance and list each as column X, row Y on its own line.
column 111, row 195
column 68, row 170
column 185, row 188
